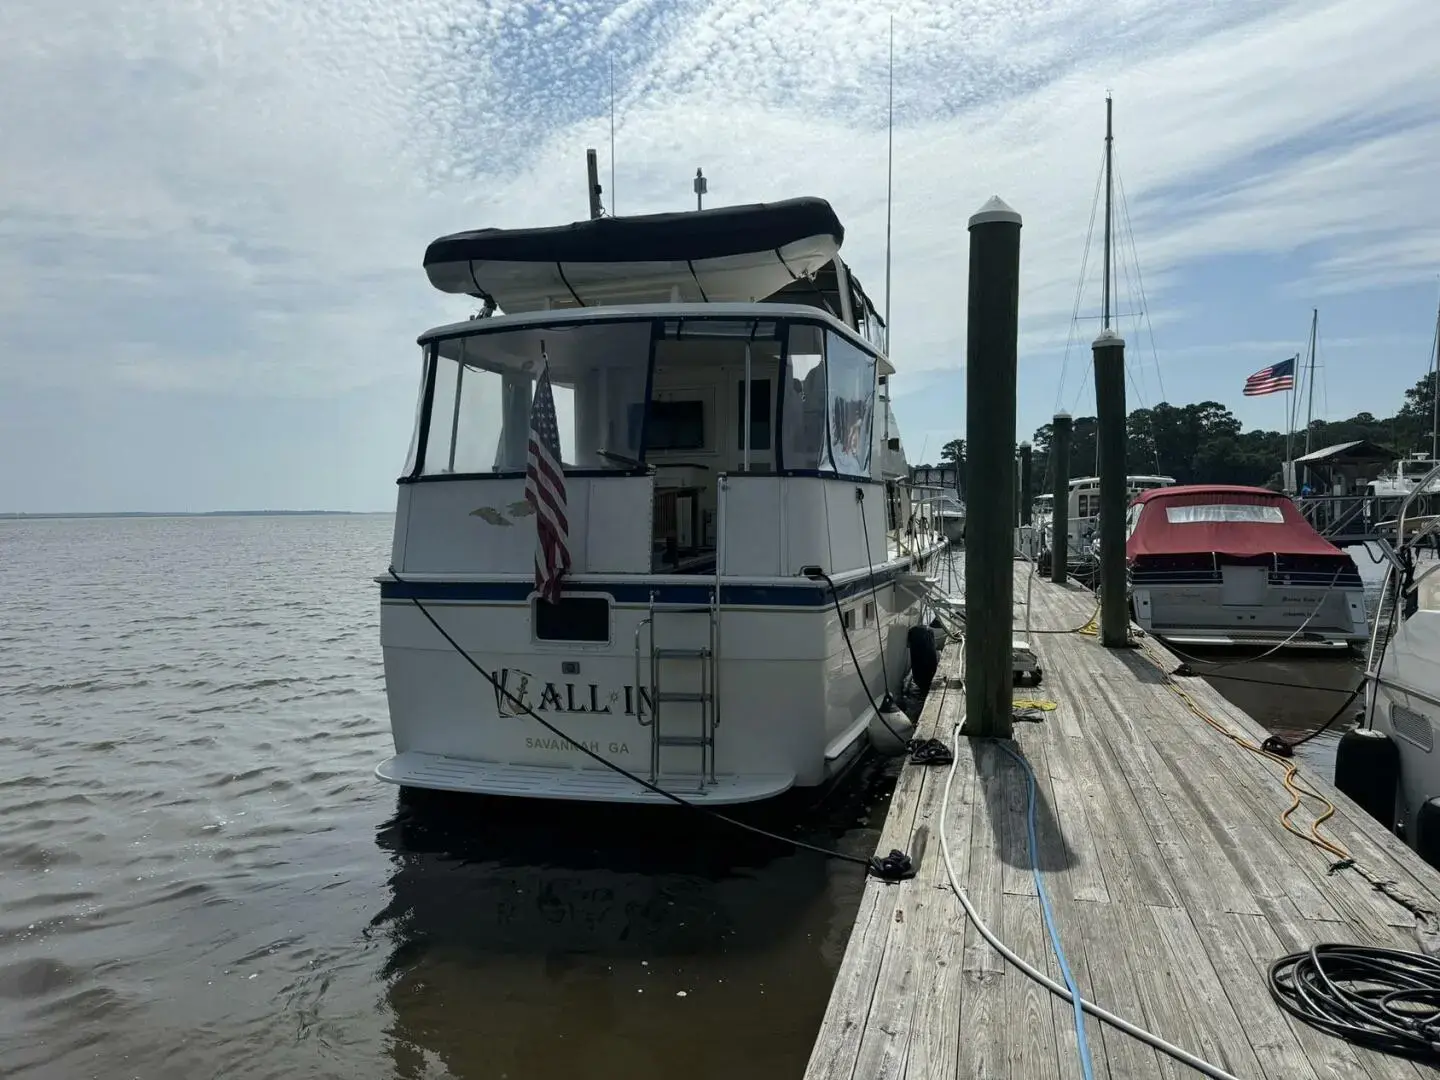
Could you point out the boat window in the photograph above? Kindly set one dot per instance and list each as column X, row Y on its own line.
column 675, row 425
column 804, row 440
column 850, row 372
column 701, row 329
column 412, row 455
column 484, row 387
column 1229, row 513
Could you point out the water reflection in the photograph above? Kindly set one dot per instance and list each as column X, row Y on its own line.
column 539, row 940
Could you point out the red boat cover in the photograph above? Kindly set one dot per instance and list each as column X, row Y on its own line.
column 1157, row 534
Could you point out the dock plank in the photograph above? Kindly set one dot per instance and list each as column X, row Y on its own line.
column 1173, row 882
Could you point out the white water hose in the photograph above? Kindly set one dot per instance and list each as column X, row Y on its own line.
column 1150, row 1038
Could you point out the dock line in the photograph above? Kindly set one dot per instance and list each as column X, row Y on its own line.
column 922, row 751
column 897, row 866
column 1425, row 919
column 1086, row 1066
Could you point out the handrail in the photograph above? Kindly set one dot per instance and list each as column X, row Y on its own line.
column 638, row 684
column 722, row 490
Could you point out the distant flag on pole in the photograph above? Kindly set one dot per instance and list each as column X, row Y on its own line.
column 1272, row 380
column 545, row 492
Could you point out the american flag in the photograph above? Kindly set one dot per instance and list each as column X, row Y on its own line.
column 545, row 492
column 1272, row 379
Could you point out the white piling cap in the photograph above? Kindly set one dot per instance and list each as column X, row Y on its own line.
column 1062, row 415
column 997, row 209
column 1108, row 339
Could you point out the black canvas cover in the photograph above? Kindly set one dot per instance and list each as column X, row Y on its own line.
column 694, row 235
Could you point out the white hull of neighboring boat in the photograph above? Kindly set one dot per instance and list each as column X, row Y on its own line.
column 792, row 712
column 1405, row 702
column 1248, row 610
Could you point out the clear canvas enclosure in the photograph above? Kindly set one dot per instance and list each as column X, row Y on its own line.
column 719, row 394
column 484, row 384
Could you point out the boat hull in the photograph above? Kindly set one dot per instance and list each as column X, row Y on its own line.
column 1253, row 611
column 1405, row 704
column 791, row 710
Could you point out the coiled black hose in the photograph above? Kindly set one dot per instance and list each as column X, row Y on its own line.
column 1382, row 999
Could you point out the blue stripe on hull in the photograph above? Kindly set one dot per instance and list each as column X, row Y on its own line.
column 638, row 590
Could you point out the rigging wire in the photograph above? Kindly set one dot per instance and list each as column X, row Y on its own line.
column 1144, row 311
column 1139, row 276
column 1080, row 289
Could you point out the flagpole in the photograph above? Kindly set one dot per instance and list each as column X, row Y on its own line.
column 1294, row 407
column 1289, row 424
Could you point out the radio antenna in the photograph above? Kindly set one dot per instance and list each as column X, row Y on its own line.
column 889, row 178
column 612, row 136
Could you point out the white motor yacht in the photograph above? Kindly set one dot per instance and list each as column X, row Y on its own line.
column 657, row 499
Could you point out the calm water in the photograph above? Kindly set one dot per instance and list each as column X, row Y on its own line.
column 201, row 877
column 1294, row 694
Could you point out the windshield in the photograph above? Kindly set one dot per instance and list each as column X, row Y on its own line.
column 1229, row 513
column 484, row 385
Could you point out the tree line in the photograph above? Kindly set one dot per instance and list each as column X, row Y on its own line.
column 1203, row 443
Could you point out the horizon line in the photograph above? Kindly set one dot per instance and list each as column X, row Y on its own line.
column 15, row 515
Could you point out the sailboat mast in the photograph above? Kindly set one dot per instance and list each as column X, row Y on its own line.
column 1310, row 379
column 1109, row 138
column 1435, row 393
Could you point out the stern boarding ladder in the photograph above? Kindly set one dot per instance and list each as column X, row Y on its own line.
column 682, row 650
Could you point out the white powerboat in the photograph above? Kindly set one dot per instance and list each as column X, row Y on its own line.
column 951, row 512
column 661, row 503
column 1229, row 565
column 1082, row 516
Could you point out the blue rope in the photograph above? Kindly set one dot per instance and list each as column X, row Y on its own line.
column 1075, row 999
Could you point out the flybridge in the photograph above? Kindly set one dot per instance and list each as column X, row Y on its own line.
column 727, row 254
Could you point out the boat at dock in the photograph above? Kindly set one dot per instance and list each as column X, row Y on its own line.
column 1230, row 565
column 656, row 496
column 951, row 512
column 1401, row 774
column 1083, row 515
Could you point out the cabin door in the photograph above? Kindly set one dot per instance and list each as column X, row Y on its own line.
column 761, row 450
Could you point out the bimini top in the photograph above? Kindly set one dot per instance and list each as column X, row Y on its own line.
column 731, row 253
column 1223, row 519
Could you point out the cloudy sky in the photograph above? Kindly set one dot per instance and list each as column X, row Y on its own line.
column 212, row 215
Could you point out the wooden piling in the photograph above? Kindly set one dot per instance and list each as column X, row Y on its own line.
column 1109, row 350
column 990, row 356
column 1060, row 515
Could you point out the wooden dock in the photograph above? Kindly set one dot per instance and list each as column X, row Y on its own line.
column 1173, row 880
